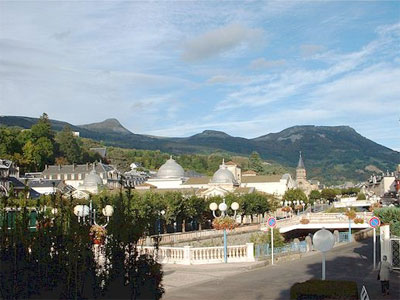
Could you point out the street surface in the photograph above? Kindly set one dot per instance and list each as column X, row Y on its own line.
column 234, row 281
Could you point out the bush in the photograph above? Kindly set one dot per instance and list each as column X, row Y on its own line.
column 361, row 196
column 390, row 215
column 324, row 289
column 261, row 238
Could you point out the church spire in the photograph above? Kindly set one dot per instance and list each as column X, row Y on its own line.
column 300, row 165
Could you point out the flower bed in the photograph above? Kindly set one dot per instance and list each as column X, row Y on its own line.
column 98, row 234
column 324, row 289
column 359, row 220
column 351, row 214
column 304, row 221
column 224, row 223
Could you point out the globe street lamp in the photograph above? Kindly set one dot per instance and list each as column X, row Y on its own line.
column 323, row 240
column 223, row 209
column 82, row 211
column 160, row 214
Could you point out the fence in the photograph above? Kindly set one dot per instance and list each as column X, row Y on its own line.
column 188, row 255
column 264, row 250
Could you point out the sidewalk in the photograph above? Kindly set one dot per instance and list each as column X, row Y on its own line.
column 178, row 276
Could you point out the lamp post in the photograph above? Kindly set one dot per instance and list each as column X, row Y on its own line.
column 348, row 210
column 223, row 209
column 82, row 211
column 160, row 214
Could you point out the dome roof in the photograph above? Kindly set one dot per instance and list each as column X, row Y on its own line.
column 223, row 175
column 92, row 179
column 171, row 169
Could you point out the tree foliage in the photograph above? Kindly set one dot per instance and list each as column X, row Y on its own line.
column 294, row 195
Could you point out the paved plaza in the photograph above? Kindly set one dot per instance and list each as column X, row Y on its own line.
column 256, row 281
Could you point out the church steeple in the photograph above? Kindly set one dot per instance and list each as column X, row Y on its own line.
column 300, row 165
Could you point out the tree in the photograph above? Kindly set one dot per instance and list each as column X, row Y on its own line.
column 314, row 195
column 255, row 162
column 294, row 195
column 69, row 145
column 42, row 128
column 329, row 194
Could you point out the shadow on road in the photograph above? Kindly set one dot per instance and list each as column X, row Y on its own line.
column 356, row 266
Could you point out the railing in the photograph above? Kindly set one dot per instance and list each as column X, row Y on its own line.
column 264, row 250
column 203, row 255
column 172, row 238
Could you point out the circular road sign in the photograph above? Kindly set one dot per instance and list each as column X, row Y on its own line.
column 271, row 222
column 374, row 222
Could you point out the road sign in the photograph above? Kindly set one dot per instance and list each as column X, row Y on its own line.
column 374, row 222
column 271, row 222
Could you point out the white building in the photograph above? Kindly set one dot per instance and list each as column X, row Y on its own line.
column 75, row 175
column 227, row 179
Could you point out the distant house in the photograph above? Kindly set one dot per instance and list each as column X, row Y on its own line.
column 48, row 187
column 10, row 181
column 75, row 175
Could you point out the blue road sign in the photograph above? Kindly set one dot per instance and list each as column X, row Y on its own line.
column 271, row 222
column 374, row 222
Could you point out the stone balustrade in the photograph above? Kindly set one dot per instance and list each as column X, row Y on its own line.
column 188, row 255
column 173, row 238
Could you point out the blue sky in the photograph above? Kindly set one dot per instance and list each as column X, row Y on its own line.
column 176, row 68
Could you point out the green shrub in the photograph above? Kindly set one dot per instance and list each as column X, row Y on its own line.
column 321, row 289
column 261, row 238
column 390, row 215
column 361, row 196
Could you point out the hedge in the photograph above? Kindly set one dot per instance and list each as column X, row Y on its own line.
column 324, row 289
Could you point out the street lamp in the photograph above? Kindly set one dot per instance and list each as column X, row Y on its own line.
column 82, row 211
column 223, row 208
column 348, row 210
column 161, row 213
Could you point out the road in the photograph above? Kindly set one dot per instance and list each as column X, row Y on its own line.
column 349, row 262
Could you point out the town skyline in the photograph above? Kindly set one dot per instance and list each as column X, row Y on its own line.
column 176, row 69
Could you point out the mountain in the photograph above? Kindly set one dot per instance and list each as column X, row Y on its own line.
column 107, row 126
column 331, row 153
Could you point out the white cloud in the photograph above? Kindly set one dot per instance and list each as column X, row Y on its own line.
column 310, row 49
column 220, row 40
column 262, row 63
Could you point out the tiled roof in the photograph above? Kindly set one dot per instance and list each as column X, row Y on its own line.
column 261, row 178
column 44, row 183
column 197, row 180
column 249, row 172
column 76, row 169
column 230, row 163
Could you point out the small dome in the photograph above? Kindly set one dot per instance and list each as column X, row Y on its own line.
column 171, row 169
column 223, row 175
column 92, row 179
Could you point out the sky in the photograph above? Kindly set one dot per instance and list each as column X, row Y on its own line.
column 176, row 68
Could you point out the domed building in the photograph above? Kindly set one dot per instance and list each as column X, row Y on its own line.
column 92, row 184
column 169, row 176
column 170, row 170
column 227, row 179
